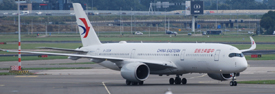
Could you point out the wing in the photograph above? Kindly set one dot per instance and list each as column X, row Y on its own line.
column 65, row 54
column 253, row 46
column 62, row 49
column 153, row 64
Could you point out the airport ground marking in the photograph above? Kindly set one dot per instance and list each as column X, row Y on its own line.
column 106, row 88
column 2, row 85
column 25, row 76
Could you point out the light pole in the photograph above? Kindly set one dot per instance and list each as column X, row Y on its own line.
column 47, row 26
column 131, row 19
column 19, row 37
column 249, row 21
column 165, row 22
column 217, row 6
column 237, row 22
column 120, row 20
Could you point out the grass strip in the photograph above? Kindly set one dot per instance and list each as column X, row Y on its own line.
column 4, row 68
column 258, row 82
column 73, row 63
column 7, row 73
column 145, row 37
column 59, row 68
column 15, row 58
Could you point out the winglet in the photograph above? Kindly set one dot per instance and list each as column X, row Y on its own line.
column 253, row 45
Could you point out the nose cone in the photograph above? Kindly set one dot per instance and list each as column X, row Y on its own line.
column 242, row 65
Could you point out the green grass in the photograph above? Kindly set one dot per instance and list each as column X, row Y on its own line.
column 15, row 58
column 4, row 68
column 7, row 73
column 9, row 38
column 34, row 46
column 59, row 68
column 164, row 38
column 73, row 63
column 75, row 45
column 258, row 82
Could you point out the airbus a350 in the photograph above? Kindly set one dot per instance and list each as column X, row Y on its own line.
column 136, row 61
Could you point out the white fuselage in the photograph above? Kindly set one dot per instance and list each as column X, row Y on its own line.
column 188, row 57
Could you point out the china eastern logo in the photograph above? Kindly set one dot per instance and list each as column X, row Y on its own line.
column 86, row 29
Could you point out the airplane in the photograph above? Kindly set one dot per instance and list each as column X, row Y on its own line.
column 136, row 61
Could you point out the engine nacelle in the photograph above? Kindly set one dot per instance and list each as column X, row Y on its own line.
column 135, row 71
column 219, row 76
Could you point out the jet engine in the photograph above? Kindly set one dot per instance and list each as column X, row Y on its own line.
column 219, row 76
column 135, row 71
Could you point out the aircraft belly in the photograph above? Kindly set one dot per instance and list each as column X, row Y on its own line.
column 109, row 65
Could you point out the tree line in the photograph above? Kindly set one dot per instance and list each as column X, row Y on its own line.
column 268, row 23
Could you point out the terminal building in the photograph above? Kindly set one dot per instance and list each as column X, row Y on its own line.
column 47, row 5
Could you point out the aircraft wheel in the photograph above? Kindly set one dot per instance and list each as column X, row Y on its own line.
column 134, row 83
column 177, row 80
column 171, row 81
column 140, row 83
column 128, row 82
column 183, row 81
column 235, row 83
column 231, row 83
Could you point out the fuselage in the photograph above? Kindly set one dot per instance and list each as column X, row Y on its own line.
column 188, row 57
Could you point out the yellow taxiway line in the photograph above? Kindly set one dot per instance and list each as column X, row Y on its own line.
column 106, row 88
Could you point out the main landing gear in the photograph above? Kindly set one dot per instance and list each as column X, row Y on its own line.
column 233, row 83
column 133, row 83
column 177, row 80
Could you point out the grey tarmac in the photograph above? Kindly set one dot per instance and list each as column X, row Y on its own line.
column 106, row 81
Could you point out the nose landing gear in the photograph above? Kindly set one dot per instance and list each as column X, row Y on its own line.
column 177, row 80
column 233, row 83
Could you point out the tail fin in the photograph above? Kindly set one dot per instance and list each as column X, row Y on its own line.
column 86, row 30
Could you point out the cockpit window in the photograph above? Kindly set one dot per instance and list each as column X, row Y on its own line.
column 235, row 55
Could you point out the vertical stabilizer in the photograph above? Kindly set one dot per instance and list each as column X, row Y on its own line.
column 86, row 30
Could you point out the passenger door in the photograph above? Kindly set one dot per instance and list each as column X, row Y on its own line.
column 182, row 55
column 133, row 53
column 217, row 55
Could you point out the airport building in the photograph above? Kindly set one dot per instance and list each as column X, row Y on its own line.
column 47, row 5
